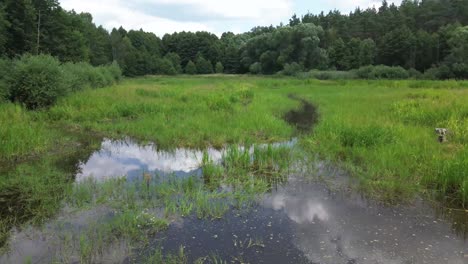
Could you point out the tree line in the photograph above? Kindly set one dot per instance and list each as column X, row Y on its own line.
column 425, row 36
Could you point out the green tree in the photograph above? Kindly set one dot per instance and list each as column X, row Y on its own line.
column 219, row 67
column 4, row 24
column 190, row 68
column 204, row 66
column 20, row 30
column 397, row 47
column 338, row 55
column 165, row 66
column 174, row 58
column 367, row 52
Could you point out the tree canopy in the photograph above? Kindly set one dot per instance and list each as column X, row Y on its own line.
column 417, row 34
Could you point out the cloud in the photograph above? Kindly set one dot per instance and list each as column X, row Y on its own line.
column 216, row 16
column 167, row 16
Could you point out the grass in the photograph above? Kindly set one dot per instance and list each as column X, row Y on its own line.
column 381, row 132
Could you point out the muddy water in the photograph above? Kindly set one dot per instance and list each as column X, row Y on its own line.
column 302, row 221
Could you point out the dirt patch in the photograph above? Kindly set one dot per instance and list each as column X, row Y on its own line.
column 303, row 118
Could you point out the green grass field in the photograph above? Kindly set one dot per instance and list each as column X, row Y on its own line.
column 381, row 132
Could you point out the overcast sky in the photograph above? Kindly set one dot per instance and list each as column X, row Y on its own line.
column 217, row 16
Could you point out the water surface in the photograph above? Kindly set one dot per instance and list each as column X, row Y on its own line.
column 300, row 221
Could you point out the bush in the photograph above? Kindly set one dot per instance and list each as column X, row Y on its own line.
column 438, row 73
column 36, row 81
column 382, row 72
column 165, row 66
column 203, row 65
column 5, row 69
column 292, row 69
column 255, row 68
column 78, row 76
column 415, row 74
column 329, row 75
column 190, row 68
column 460, row 70
column 115, row 71
column 219, row 67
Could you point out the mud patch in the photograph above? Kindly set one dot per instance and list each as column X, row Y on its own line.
column 303, row 118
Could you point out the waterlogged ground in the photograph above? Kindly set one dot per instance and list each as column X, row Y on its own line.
column 133, row 203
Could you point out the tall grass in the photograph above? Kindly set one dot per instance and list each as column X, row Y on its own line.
column 21, row 134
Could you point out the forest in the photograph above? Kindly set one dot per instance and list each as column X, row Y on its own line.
column 426, row 38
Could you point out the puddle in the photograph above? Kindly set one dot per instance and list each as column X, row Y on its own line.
column 126, row 158
column 299, row 221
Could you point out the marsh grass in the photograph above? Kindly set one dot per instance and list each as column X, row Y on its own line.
column 381, row 132
column 21, row 134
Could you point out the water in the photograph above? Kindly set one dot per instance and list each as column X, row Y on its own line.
column 304, row 222
column 301, row 221
column 126, row 158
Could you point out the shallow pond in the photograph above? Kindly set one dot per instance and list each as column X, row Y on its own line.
column 299, row 221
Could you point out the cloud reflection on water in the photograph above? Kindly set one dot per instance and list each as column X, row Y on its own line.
column 120, row 158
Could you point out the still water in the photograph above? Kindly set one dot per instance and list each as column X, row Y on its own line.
column 300, row 221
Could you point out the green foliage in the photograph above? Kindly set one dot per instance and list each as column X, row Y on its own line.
column 442, row 72
column 329, row 75
column 21, row 136
column 190, row 68
column 165, row 66
column 203, row 66
column 78, row 76
column 5, row 69
column 175, row 60
column 273, row 49
column 37, row 81
column 292, row 69
column 396, row 48
column 417, row 35
column 255, row 68
column 367, row 136
column 219, row 67
column 382, row 72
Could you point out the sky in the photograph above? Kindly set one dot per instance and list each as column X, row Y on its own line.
column 216, row 16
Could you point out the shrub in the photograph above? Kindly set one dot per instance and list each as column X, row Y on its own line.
column 382, row 72
column 415, row 74
column 78, row 76
column 255, row 68
column 219, row 67
column 292, row 69
column 460, row 70
column 438, row 73
column 190, row 68
column 203, row 65
column 329, row 75
column 36, row 81
column 115, row 71
column 174, row 58
column 165, row 66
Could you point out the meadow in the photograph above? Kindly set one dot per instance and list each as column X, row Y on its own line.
column 381, row 132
